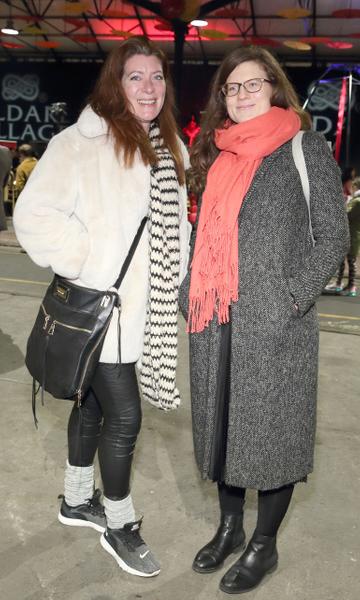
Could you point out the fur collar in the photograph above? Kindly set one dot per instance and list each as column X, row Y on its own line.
column 90, row 124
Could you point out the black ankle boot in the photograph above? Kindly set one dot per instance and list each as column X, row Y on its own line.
column 229, row 537
column 259, row 558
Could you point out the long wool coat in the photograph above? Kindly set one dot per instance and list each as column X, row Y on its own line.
column 274, row 348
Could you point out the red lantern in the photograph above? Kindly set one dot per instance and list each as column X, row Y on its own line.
column 191, row 130
column 346, row 13
column 172, row 9
column 192, row 218
column 193, row 199
column 163, row 26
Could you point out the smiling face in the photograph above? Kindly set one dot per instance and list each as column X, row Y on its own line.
column 246, row 105
column 144, row 86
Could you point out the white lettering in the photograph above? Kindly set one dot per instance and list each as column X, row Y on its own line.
column 14, row 112
column 322, row 128
column 45, row 136
column 28, row 131
column 48, row 116
column 12, row 135
column 32, row 114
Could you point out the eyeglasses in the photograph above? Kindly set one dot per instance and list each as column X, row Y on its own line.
column 251, row 86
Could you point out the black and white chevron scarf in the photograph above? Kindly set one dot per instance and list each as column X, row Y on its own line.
column 158, row 370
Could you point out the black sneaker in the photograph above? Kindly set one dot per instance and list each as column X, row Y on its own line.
column 89, row 514
column 130, row 551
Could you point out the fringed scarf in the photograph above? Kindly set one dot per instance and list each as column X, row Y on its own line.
column 159, row 359
column 214, row 269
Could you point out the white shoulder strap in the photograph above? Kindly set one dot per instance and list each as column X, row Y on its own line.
column 299, row 161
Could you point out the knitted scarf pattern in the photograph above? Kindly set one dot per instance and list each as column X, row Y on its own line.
column 159, row 359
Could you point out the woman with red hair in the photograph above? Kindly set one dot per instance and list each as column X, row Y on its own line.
column 78, row 214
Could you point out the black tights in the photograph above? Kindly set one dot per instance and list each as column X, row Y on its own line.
column 272, row 505
column 109, row 421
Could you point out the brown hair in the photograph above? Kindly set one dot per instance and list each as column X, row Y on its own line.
column 26, row 150
column 109, row 101
column 204, row 151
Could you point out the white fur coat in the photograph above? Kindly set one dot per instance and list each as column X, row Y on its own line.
column 78, row 214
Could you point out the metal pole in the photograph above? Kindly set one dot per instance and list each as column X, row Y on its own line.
column 315, row 86
column 180, row 30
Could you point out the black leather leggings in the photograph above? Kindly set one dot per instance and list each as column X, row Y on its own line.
column 109, row 421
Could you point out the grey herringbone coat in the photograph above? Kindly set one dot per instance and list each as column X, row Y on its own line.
column 274, row 349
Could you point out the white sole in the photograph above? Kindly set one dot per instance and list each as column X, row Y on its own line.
column 79, row 523
column 105, row 544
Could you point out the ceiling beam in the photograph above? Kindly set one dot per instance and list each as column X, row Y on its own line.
column 253, row 17
column 89, row 26
column 38, row 18
column 141, row 23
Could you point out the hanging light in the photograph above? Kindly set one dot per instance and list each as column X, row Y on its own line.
column 9, row 28
column 199, row 23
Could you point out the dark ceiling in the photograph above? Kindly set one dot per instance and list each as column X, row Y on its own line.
column 71, row 30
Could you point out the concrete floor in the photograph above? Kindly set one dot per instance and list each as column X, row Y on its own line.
column 319, row 542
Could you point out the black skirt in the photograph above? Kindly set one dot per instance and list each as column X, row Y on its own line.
column 218, row 448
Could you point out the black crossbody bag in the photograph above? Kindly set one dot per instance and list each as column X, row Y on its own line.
column 65, row 344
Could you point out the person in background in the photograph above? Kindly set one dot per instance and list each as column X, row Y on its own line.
column 353, row 212
column 27, row 162
column 78, row 214
column 249, row 300
column 347, row 178
column 5, row 167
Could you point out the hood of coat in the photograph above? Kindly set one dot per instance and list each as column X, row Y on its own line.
column 90, row 124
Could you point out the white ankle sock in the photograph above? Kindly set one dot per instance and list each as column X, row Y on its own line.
column 119, row 512
column 79, row 484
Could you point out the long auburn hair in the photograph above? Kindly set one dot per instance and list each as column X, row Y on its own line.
column 204, row 152
column 109, row 101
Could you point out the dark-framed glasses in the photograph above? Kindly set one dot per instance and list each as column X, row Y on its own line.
column 251, row 86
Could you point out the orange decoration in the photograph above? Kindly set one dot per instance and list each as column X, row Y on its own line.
column 121, row 33
column 163, row 26
column 83, row 39
column 340, row 45
column 315, row 40
column 296, row 45
column 75, row 7
column 294, row 13
column 47, row 44
column 33, row 30
column 115, row 14
column 27, row 18
column 213, row 34
column 190, row 10
column 346, row 13
column 11, row 45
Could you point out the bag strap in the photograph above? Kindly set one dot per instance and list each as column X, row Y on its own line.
column 130, row 254
column 299, row 160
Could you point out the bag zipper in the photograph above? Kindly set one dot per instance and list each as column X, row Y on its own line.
column 51, row 332
column 54, row 322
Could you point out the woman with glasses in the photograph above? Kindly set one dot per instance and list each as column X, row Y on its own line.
column 249, row 300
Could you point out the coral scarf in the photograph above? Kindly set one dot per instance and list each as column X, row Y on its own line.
column 214, row 269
